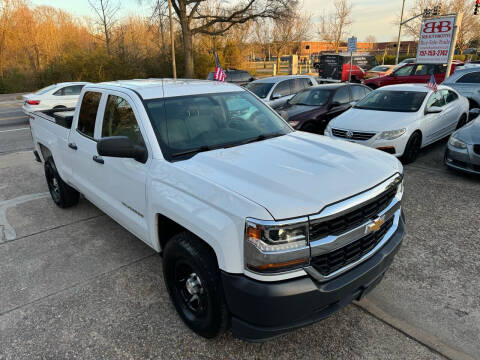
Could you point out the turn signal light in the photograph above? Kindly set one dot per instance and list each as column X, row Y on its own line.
column 283, row 265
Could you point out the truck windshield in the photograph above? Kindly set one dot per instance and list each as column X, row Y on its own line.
column 187, row 125
column 261, row 89
column 395, row 101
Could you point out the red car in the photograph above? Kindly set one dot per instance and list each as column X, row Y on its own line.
column 412, row 73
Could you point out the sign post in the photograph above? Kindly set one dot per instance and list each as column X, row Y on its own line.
column 437, row 40
column 352, row 47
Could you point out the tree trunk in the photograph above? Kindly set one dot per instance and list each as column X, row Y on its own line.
column 187, row 48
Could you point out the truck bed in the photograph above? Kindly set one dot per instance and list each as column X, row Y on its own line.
column 61, row 117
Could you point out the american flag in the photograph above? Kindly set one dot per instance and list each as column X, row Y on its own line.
column 219, row 74
column 432, row 84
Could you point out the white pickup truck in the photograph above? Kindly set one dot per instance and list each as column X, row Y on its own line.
column 261, row 228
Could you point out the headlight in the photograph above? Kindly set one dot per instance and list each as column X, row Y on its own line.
column 457, row 143
column 276, row 246
column 393, row 134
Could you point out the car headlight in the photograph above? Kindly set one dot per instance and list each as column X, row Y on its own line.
column 272, row 247
column 393, row 134
column 453, row 141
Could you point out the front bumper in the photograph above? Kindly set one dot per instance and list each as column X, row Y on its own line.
column 463, row 159
column 395, row 147
column 264, row 310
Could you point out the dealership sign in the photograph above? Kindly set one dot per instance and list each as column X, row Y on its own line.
column 436, row 36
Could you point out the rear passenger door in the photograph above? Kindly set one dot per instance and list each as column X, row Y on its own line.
column 125, row 179
column 435, row 123
column 82, row 145
column 423, row 73
column 340, row 102
column 450, row 114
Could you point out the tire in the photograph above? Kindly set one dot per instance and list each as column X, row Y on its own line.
column 62, row 194
column 462, row 121
column 309, row 127
column 193, row 282
column 412, row 149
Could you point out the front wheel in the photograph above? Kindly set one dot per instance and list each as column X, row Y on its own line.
column 412, row 149
column 193, row 282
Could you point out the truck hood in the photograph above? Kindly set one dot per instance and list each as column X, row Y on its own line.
column 296, row 174
column 374, row 121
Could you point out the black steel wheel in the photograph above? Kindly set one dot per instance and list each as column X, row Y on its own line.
column 413, row 148
column 193, row 281
column 62, row 194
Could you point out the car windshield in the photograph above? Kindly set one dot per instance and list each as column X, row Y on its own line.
column 45, row 89
column 395, row 101
column 261, row 89
column 187, row 125
column 311, row 97
column 380, row 68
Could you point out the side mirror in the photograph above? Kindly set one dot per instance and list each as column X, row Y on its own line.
column 276, row 96
column 434, row 110
column 121, row 147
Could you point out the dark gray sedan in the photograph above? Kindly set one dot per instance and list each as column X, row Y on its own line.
column 463, row 148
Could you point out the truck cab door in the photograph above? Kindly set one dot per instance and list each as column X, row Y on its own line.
column 400, row 76
column 82, row 147
column 124, row 185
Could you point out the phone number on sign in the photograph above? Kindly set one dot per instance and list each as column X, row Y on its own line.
column 433, row 52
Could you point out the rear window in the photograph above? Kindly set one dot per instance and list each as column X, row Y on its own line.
column 45, row 89
column 88, row 113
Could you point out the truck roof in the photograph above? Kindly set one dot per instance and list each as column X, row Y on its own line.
column 161, row 88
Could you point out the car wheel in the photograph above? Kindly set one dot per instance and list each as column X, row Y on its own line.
column 193, row 282
column 413, row 148
column 462, row 121
column 309, row 127
column 62, row 194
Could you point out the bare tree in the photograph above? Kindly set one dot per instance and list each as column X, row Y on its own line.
column 334, row 26
column 160, row 18
column 106, row 11
column 371, row 39
column 195, row 18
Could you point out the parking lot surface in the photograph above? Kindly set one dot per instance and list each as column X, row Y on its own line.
column 74, row 284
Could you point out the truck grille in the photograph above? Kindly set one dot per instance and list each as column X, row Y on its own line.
column 354, row 218
column 476, row 149
column 355, row 135
column 328, row 263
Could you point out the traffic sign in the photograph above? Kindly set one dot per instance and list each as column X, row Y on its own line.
column 352, row 44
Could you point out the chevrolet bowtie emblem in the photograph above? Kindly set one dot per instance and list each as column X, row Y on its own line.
column 375, row 225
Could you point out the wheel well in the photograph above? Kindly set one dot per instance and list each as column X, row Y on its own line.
column 418, row 132
column 473, row 104
column 46, row 153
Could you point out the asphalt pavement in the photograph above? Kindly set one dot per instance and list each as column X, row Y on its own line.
column 14, row 129
column 74, row 284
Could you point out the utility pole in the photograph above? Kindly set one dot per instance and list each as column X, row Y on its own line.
column 172, row 40
column 458, row 23
column 400, row 33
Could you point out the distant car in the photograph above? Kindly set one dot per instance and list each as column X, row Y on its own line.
column 411, row 74
column 312, row 109
column 57, row 96
column 380, row 70
column 234, row 76
column 467, row 83
column 277, row 90
column 402, row 119
column 463, row 148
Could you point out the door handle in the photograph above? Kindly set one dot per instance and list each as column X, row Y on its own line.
column 72, row 146
column 98, row 159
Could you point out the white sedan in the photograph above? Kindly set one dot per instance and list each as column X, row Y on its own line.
column 57, row 96
column 402, row 119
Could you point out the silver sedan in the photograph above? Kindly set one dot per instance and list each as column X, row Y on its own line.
column 467, row 83
column 463, row 148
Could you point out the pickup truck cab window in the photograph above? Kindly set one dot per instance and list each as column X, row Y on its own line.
column 88, row 113
column 206, row 122
column 119, row 120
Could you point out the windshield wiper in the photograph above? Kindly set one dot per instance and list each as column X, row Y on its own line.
column 261, row 137
column 194, row 151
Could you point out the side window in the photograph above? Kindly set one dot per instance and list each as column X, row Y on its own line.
column 297, row 85
column 436, row 99
column 342, row 96
column 449, row 96
column 472, row 78
column 358, row 93
column 119, row 120
column 423, row 69
column 404, row 71
column 88, row 113
column 73, row 90
column 441, row 69
column 282, row 89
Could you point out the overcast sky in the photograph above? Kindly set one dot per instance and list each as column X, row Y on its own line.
column 371, row 17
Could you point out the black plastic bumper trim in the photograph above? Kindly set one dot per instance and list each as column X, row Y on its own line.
column 262, row 310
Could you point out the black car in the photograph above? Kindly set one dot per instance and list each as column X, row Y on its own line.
column 238, row 77
column 312, row 109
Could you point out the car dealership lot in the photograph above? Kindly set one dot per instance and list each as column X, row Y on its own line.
column 73, row 283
